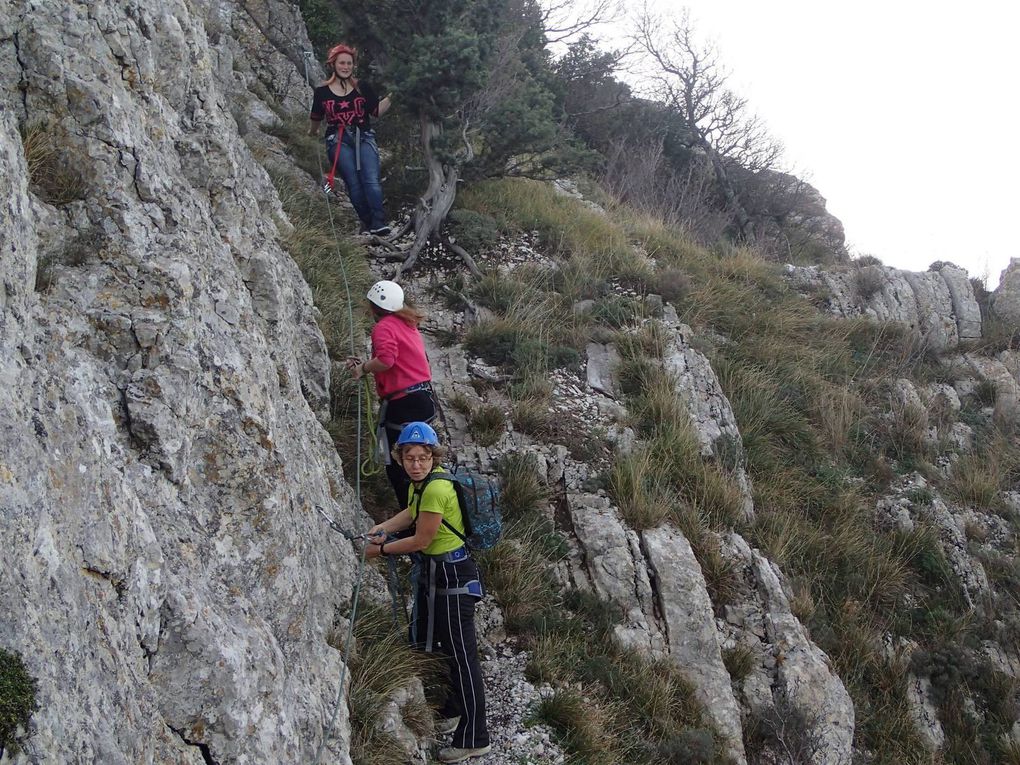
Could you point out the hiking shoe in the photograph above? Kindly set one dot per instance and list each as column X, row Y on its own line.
column 447, row 726
column 453, row 754
column 381, row 231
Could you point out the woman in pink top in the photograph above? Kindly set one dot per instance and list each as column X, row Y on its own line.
column 403, row 378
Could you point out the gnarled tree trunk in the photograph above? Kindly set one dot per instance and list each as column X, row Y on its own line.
column 435, row 204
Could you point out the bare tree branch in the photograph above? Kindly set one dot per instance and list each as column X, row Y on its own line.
column 690, row 79
column 565, row 20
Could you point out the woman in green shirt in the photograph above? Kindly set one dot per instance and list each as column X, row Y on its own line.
column 448, row 585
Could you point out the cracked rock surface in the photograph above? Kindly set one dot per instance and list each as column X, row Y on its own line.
column 166, row 578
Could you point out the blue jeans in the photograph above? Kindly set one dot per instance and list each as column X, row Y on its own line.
column 363, row 186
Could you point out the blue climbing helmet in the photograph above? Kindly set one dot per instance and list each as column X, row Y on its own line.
column 418, row 433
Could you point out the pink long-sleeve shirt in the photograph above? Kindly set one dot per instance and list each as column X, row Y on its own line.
column 399, row 344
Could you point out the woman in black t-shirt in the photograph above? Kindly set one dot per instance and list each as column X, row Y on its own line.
column 347, row 106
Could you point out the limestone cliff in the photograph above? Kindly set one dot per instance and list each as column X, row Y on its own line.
column 165, row 576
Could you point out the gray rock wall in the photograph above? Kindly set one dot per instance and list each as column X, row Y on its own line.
column 165, row 576
column 940, row 305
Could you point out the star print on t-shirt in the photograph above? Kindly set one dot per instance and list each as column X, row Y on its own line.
column 349, row 110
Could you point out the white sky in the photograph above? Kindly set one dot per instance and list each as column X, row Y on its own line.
column 903, row 114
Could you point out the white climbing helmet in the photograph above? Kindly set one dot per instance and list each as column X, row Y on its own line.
column 387, row 295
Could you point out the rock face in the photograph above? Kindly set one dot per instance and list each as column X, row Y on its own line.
column 795, row 678
column 1006, row 298
column 165, row 576
column 940, row 305
column 690, row 627
column 710, row 411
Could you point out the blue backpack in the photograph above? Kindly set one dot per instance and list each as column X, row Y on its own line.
column 478, row 497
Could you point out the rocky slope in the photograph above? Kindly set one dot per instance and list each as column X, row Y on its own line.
column 165, row 576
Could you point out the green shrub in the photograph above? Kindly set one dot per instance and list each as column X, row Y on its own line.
column 474, row 231
column 614, row 311
column 17, row 701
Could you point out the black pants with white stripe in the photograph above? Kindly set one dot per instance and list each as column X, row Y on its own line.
column 453, row 634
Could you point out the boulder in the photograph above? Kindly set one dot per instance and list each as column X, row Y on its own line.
column 603, row 361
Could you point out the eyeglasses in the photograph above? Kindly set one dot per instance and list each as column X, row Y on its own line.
column 417, row 460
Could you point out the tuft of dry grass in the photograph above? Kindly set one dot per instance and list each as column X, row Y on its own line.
column 740, row 661
column 383, row 663
column 523, row 490
column 52, row 170
column 644, row 497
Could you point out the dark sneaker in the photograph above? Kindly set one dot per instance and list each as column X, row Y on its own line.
column 381, row 231
column 447, row 726
column 453, row 754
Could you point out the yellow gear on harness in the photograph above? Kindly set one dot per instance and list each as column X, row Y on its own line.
column 369, row 466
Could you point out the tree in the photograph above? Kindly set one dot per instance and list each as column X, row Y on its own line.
column 474, row 72
column 690, row 79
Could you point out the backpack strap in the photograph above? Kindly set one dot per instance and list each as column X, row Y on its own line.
column 456, row 486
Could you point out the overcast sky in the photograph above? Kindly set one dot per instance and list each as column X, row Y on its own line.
column 904, row 115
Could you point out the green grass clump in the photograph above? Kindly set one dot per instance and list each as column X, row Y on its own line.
column 641, row 492
column 517, row 569
column 523, row 489
column 532, row 416
column 17, row 701
column 615, row 311
column 669, row 475
column 645, row 710
column 740, row 661
column 487, row 424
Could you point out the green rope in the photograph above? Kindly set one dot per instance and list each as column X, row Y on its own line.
column 369, row 467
